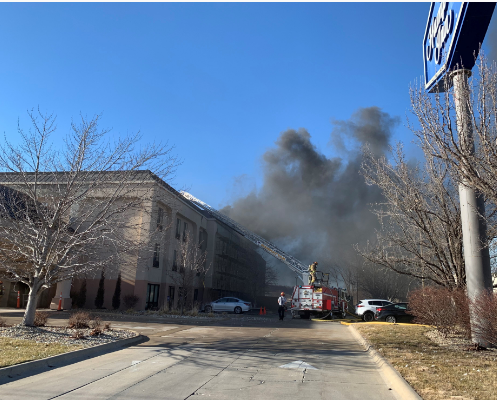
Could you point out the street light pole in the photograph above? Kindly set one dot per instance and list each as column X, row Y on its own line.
column 474, row 229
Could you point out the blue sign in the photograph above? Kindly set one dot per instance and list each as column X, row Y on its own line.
column 454, row 33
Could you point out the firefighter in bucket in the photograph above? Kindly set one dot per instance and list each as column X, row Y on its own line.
column 312, row 272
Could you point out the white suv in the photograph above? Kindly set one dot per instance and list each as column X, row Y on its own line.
column 366, row 308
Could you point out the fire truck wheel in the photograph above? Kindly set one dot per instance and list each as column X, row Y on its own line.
column 368, row 317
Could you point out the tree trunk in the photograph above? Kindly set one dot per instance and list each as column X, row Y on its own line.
column 29, row 314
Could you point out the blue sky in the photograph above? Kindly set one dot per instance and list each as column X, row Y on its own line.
column 220, row 81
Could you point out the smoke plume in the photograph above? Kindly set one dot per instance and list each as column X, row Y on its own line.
column 314, row 207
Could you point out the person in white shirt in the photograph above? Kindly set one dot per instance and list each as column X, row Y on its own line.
column 281, row 306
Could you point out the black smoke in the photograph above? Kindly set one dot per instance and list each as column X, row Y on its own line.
column 314, row 207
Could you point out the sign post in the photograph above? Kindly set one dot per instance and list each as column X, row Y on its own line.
column 452, row 40
column 472, row 203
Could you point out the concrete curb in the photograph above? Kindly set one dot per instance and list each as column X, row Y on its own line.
column 400, row 388
column 74, row 356
column 342, row 321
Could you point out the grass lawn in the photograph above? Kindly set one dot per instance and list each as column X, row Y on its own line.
column 15, row 351
column 435, row 371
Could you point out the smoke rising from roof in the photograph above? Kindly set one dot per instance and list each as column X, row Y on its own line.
column 312, row 206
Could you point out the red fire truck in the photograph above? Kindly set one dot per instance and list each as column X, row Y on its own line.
column 319, row 300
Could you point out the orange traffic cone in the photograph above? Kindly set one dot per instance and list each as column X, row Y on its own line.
column 264, row 310
column 260, row 312
column 60, row 303
column 18, row 299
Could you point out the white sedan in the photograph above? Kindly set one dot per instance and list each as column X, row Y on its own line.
column 229, row 304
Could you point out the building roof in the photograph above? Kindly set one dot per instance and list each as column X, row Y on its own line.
column 104, row 176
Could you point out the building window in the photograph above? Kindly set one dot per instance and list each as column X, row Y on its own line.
column 170, row 297
column 152, row 296
column 175, row 262
column 185, row 230
column 181, row 298
column 160, row 219
column 155, row 262
column 178, row 228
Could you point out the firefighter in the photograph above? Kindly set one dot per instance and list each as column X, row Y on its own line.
column 312, row 272
column 281, row 306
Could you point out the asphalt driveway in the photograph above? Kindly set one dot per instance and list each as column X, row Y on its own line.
column 237, row 358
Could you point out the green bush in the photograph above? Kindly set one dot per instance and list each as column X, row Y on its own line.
column 99, row 300
column 130, row 301
column 116, row 299
column 81, row 297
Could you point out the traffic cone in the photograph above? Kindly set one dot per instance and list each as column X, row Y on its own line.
column 260, row 312
column 60, row 303
column 264, row 310
column 18, row 299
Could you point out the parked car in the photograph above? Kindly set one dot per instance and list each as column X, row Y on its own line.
column 366, row 308
column 396, row 312
column 228, row 304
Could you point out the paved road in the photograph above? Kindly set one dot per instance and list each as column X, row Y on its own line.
column 239, row 358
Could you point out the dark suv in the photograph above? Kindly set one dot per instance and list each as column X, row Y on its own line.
column 393, row 313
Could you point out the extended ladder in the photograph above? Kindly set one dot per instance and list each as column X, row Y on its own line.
column 294, row 264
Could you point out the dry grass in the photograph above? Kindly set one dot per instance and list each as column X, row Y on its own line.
column 435, row 371
column 16, row 351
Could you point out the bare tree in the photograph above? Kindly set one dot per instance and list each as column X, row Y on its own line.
column 70, row 208
column 420, row 232
column 271, row 278
column 191, row 267
column 437, row 129
column 371, row 280
column 384, row 283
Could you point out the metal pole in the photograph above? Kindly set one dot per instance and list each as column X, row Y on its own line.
column 474, row 229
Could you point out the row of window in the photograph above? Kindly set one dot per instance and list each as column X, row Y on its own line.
column 155, row 260
column 152, row 299
column 160, row 225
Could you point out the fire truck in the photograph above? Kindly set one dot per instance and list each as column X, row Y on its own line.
column 317, row 299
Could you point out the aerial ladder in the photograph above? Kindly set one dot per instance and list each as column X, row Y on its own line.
column 307, row 299
column 295, row 265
